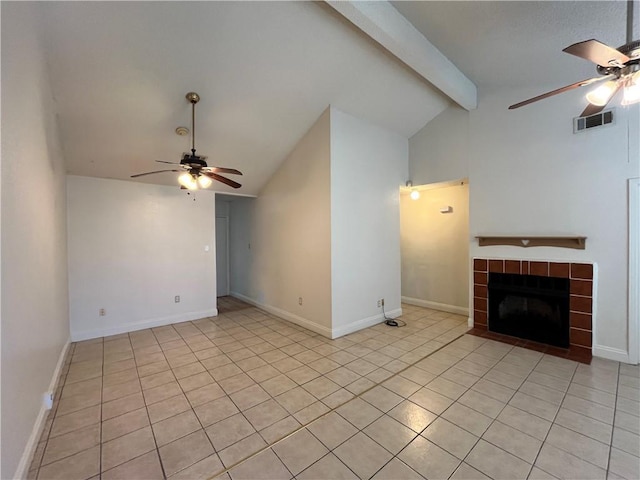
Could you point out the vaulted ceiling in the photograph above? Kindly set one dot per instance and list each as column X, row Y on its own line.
column 265, row 72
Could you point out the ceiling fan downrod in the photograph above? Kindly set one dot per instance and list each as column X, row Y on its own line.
column 193, row 98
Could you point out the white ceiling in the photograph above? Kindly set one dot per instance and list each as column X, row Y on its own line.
column 267, row 70
column 507, row 44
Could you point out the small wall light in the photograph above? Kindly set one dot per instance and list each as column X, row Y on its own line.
column 415, row 194
column 446, row 209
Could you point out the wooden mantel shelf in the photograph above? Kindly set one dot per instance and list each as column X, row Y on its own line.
column 533, row 241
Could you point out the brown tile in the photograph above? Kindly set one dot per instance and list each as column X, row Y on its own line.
column 229, row 431
column 216, row 410
column 480, row 278
column 579, row 337
column 76, row 420
column 145, row 467
column 195, row 381
column 243, row 449
column 113, row 392
column 480, row 304
column 81, row 465
column 188, row 370
column 558, row 269
column 539, row 268
column 205, row 469
column 123, row 424
column 127, row 447
column 162, row 392
column 580, row 304
column 157, row 379
column 580, row 354
column 496, row 266
column 122, row 405
column 512, row 266
column 581, row 287
column 82, row 388
column 480, row 291
column 168, row 408
column 479, row 265
column 204, row 394
column 152, row 368
column 78, row 402
column 175, row 427
column 580, row 320
column 120, row 377
column 71, row 443
column 582, row 270
column 185, row 452
column 479, row 317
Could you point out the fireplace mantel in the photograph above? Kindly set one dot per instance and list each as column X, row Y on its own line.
column 533, row 241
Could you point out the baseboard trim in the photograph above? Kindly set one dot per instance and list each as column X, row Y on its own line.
column 32, row 443
column 443, row 307
column 610, row 353
column 291, row 317
column 363, row 323
column 132, row 327
column 470, row 322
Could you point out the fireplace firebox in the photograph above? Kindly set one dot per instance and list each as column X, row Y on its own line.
column 531, row 307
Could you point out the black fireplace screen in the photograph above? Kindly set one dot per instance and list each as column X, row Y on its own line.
column 530, row 307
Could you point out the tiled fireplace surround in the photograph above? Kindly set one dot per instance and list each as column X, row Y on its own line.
column 580, row 303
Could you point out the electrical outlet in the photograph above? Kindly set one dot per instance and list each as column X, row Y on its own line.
column 47, row 400
column 102, row 312
column 177, row 299
column 382, row 300
column 379, row 303
column 299, row 300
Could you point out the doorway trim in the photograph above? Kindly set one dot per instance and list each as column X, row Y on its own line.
column 634, row 270
column 226, row 253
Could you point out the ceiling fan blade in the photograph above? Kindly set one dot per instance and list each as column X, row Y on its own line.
column 222, row 179
column 583, row 83
column 151, row 173
column 598, row 53
column 593, row 109
column 170, row 163
column 232, row 171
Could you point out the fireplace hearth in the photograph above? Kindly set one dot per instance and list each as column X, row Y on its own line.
column 557, row 319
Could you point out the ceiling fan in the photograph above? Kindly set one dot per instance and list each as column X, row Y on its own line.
column 195, row 171
column 619, row 67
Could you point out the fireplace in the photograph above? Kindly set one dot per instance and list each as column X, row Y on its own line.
column 535, row 303
column 529, row 307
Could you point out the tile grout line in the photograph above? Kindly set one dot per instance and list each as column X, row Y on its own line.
column 327, row 413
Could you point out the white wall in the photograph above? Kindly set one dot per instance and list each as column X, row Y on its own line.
column 435, row 248
column 290, row 236
column 440, row 151
column 132, row 248
column 368, row 164
column 529, row 174
column 35, row 324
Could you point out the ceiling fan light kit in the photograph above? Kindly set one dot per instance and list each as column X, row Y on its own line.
column 195, row 174
column 619, row 67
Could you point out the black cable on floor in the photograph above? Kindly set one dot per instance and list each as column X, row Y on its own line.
column 391, row 321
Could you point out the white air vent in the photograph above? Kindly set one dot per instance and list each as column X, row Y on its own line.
column 601, row 119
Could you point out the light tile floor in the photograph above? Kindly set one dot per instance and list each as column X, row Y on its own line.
column 247, row 395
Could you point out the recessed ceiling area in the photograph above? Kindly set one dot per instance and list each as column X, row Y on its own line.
column 265, row 71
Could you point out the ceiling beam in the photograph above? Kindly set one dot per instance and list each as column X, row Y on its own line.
column 384, row 24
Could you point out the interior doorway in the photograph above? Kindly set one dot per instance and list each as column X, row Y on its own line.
column 434, row 232
column 222, row 256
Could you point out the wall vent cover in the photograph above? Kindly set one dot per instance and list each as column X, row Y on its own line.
column 601, row 119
